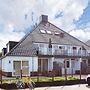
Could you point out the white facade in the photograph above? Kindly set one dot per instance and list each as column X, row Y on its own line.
column 8, row 63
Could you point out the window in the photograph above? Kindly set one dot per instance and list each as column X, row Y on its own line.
column 60, row 47
column 49, row 32
column 56, row 33
column 41, row 45
column 42, row 31
column 21, row 65
column 67, row 64
column 74, row 48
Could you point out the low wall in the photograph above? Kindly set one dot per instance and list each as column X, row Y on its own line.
column 44, row 84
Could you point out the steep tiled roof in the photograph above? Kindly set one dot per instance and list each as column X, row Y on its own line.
column 58, row 36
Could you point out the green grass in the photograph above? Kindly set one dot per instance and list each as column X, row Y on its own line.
column 40, row 79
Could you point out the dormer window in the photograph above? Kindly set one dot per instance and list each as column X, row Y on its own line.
column 42, row 31
column 49, row 32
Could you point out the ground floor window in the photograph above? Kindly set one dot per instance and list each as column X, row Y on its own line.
column 19, row 66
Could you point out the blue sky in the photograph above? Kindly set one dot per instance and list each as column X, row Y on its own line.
column 18, row 16
column 85, row 18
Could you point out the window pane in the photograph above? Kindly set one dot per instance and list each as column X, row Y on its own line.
column 17, row 67
column 43, row 31
column 24, row 63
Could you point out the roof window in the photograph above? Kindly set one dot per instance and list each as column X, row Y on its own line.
column 42, row 31
column 49, row 32
column 56, row 33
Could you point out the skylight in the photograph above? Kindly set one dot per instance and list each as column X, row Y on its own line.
column 49, row 32
column 43, row 31
column 56, row 33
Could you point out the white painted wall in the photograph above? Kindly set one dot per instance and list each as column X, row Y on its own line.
column 7, row 63
column 50, row 64
column 77, row 64
column 35, row 63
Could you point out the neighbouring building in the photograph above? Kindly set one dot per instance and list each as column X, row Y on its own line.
column 47, row 48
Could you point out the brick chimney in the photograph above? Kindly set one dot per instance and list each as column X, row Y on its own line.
column 44, row 18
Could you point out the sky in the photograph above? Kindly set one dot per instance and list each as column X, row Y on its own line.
column 17, row 17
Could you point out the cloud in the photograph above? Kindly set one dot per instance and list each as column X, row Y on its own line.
column 82, row 34
column 70, row 13
column 8, row 35
column 15, row 11
column 17, row 15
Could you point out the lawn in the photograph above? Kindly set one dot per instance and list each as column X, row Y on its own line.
column 39, row 79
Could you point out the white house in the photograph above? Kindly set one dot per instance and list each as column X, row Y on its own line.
column 44, row 49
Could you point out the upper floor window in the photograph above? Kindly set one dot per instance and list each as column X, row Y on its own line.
column 35, row 45
column 74, row 48
column 60, row 47
column 56, row 33
column 41, row 45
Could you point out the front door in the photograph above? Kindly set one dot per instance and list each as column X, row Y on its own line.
column 42, row 65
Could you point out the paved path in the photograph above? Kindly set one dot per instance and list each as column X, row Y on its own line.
column 71, row 87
